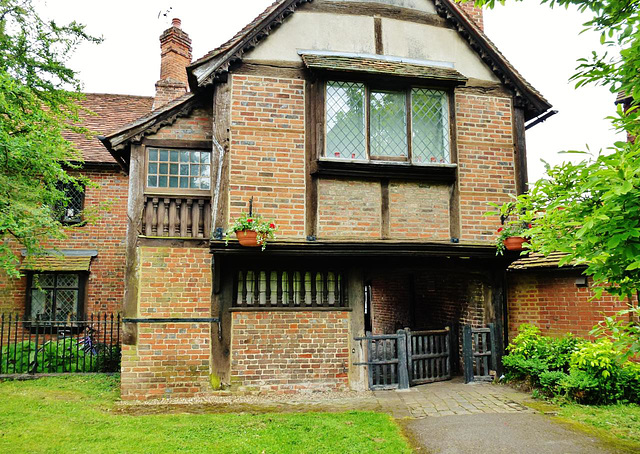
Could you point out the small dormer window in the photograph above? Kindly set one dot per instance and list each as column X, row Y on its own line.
column 368, row 123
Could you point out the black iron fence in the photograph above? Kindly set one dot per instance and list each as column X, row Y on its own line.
column 66, row 346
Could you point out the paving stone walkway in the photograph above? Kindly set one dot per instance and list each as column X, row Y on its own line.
column 451, row 398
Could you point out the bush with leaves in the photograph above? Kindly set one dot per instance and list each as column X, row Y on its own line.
column 66, row 355
column 587, row 372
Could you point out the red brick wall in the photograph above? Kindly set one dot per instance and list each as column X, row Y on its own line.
column 175, row 282
column 267, row 159
column 486, row 161
column 106, row 280
column 196, row 126
column 419, row 210
column 288, row 352
column 349, row 209
column 171, row 359
column 473, row 12
column 551, row 301
column 440, row 298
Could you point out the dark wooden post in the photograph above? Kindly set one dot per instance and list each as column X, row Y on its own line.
column 467, row 354
column 493, row 336
column 403, row 369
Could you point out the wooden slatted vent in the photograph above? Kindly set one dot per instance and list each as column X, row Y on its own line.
column 294, row 289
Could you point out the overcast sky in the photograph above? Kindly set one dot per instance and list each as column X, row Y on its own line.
column 543, row 45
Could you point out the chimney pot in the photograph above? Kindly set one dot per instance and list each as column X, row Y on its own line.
column 175, row 22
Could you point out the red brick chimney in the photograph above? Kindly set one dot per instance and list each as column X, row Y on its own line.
column 474, row 12
column 175, row 56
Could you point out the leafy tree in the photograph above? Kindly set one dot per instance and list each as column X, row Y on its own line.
column 38, row 95
column 591, row 210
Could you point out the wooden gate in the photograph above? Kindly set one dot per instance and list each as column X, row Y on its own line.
column 480, row 353
column 386, row 360
column 429, row 356
column 397, row 361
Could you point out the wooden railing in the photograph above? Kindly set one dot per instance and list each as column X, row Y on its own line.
column 170, row 216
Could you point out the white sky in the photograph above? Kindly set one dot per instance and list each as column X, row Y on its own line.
column 542, row 44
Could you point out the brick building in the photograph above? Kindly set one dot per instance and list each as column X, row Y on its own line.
column 84, row 274
column 373, row 133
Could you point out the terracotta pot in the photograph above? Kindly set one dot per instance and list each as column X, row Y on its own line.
column 514, row 243
column 248, row 238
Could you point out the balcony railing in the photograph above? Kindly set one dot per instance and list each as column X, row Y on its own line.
column 170, row 216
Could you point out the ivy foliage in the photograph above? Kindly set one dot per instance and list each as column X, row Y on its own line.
column 38, row 103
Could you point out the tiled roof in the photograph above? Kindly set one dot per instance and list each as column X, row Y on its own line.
column 622, row 97
column 56, row 263
column 338, row 62
column 112, row 111
column 537, row 261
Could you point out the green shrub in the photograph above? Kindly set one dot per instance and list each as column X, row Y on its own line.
column 630, row 382
column 587, row 372
column 63, row 356
column 551, row 382
column 519, row 368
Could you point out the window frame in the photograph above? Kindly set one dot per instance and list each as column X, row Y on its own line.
column 389, row 85
column 176, row 191
column 79, row 218
column 82, row 292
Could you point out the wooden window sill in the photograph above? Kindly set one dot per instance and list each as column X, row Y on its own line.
column 441, row 173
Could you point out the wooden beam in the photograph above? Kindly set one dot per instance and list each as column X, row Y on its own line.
column 283, row 69
column 377, row 9
column 221, row 132
column 134, row 229
column 174, row 143
column 313, row 90
column 384, row 209
column 520, row 151
column 377, row 30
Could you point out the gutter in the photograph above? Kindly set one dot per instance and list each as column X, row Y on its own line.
column 540, row 119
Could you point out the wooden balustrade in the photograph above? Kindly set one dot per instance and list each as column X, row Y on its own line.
column 171, row 216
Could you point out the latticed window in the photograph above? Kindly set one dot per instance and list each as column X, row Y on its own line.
column 70, row 212
column 178, row 169
column 365, row 123
column 264, row 288
column 55, row 296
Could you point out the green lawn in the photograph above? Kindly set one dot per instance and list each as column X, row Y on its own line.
column 614, row 422
column 74, row 414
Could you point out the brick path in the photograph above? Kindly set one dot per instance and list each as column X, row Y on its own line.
column 451, row 398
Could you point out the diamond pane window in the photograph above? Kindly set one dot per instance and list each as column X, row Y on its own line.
column 388, row 124
column 179, row 169
column 55, row 296
column 430, row 126
column 345, row 120
column 70, row 212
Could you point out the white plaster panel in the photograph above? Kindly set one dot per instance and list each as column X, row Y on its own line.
column 427, row 42
column 316, row 31
column 425, row 6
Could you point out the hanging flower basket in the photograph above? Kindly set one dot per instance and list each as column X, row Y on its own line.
column 514, row 243
column 252, row 231
column 248, row 238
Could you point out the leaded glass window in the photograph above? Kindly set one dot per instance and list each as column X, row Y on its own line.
column 70, row 212
column 388, row 123
column 55, row 296
column 366, row 123
column 178, row 169
column 346, row 120
column 430, row 126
